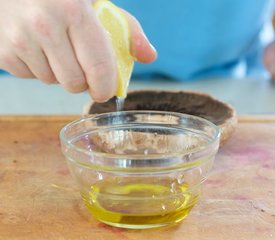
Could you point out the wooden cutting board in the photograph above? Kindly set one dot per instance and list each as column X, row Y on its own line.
column 39, row 200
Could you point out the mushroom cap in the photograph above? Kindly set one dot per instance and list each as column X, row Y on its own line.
column 193, row 103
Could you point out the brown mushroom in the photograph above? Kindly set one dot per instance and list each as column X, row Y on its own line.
column 193, row 103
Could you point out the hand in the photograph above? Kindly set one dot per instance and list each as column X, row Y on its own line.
column 269, row 59
column 63, row 42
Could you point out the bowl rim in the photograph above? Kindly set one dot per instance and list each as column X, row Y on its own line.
column 69, row 144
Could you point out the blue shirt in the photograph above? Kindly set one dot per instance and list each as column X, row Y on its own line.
column 197, row 39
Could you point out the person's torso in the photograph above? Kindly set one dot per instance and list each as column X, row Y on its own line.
column 197, row 39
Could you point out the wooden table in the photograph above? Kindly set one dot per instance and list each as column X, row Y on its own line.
column 39, row 200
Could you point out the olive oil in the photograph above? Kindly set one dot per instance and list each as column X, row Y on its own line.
column 139, row 205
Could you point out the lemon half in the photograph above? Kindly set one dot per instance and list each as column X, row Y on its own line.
column 115, row 23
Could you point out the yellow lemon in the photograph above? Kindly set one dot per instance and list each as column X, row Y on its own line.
column 115, row 23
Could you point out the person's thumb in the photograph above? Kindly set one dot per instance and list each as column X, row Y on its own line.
column 141, row 49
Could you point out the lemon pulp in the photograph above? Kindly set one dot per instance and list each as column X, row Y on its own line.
column 115, row 23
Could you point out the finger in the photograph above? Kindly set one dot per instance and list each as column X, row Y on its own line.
column 141, row 48
column 63, row 63
column 95, row 55
column 29, row 52
column 15, row 66
column 41, row 67
column 269, row 59
column 35, row 59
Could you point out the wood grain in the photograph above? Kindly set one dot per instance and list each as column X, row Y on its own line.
column 39, row 200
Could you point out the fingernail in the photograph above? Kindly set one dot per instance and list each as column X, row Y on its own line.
column 151, row 45
column 153, row 48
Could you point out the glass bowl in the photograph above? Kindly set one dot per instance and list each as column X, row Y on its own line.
column 140, row 169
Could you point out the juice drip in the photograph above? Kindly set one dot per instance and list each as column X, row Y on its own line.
column 139, row 205
column 120, row 103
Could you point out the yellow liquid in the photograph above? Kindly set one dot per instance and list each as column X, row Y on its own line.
column 139, row 205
